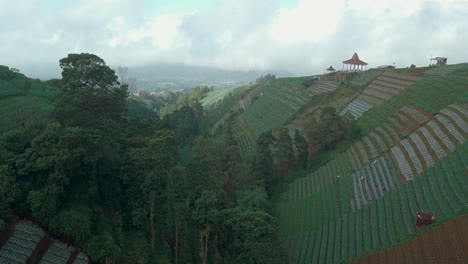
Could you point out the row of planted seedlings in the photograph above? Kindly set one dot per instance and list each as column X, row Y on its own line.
column 364, row 78
column 433, row 94
column 332, row 172
column 263, row 115
column 391, row 219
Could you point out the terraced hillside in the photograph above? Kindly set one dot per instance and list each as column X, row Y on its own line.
column 461, row 68
column 21, row 99
column 427, row 96
column 322, row 228
column 28, row 243
column 412, row 157
column 213, row 97
column 365, row 77
column 320, row 87
column 382, row 88
column 219, row 105
column 279, row 101
column 276, row 102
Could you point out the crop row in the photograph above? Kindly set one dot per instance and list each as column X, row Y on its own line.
column 365, row 77
column 382, row 223
column 443, row 244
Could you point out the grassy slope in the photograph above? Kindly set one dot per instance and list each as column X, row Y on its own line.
column 219, row 105
column 212, row 97
column 278, row 103
column 19, row 106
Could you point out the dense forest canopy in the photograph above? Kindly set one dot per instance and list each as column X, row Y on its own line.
column 103, row 172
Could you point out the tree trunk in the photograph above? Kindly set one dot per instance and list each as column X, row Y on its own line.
column 153, row 229
column 176, row 239
column 207, row 236
column 216, row 248
column 204, row 236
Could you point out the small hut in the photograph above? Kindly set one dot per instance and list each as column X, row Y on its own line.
column 424, row 219
column 354, row 64
column 439, row 61
column 330, row 69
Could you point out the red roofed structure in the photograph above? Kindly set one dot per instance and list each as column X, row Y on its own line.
column 354, row 64
column 424, row 219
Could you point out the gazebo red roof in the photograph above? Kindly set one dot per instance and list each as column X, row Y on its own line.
column 355, row 60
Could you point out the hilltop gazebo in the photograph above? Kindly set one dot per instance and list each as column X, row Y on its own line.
column 439, row 61
column 354, row 64
column 330, row 69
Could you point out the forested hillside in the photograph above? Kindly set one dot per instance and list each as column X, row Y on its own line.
column 85, row 165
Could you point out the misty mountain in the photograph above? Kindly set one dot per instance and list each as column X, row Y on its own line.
column 177, row 76
column 187, row 76
column 167, row 72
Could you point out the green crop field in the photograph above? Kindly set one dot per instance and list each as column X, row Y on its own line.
column 271, row 105
column 22, row 99
column 212, row 97
column 318, row 215
column 380, row 224
column 429, row 94
column 448, row 69
column 218, row 105
column 364, row 78
column 279, row 101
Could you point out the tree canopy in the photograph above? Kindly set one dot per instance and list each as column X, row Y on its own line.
column 111, row 182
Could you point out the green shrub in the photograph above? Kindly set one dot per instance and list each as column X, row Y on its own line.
column 102, row 247
column 3, row 226
column 72, row 224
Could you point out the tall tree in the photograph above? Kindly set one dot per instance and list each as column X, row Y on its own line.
column 7, row 189
column 205, row 214
column 132, row 84
column 151, row 164
column 90, row 95
column 178, row 193
column 302, row 149
column 185, row 124
column 262, row 165
column 153, row 189
column 250, row 236
column 333, row 129
column 284, row 154
column 122, row 71
column 253, row 198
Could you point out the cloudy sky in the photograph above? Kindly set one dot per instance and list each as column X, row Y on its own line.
column 300, row 36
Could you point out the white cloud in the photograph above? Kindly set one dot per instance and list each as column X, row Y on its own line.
column 162, row 30
column 308, row 22
column 52, row 40
column 237, row 34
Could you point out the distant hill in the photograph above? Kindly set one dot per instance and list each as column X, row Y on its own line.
column 176, row 76
column 187, row 76
column 165, row 72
